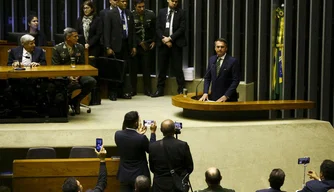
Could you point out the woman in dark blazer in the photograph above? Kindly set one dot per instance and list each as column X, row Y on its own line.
column 33, row 30
column 89, row 25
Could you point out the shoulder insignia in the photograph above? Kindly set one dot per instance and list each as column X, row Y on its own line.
column 9, row 50
column 44, row 50
column 133, row 11
column 149, row 10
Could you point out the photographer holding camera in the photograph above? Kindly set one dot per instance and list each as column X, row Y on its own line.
column 170, row 161
column 132, row 145
column 321, row 183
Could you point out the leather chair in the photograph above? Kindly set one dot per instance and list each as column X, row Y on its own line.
column 83, row 152
column 41, row 153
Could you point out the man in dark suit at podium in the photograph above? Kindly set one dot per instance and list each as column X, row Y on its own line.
column 132, row 145
column 171, row 26
column 224, row 74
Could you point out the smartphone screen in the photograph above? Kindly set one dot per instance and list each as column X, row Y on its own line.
column 178, row 125
column 99, row 143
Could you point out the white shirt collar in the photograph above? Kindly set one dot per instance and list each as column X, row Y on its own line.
column 131, row 129
column 222, row 57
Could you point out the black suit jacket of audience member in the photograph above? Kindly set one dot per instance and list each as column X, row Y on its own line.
column 318, row 186
column 38, row 55
column 95, row 33
column 269, row 190
column 180, row 159
column 179, row 27
column 132, row 148
column 113, row 30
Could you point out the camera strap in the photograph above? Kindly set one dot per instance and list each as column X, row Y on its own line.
column 171, row 170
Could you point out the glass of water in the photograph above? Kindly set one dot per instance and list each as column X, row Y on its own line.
column 73, row 62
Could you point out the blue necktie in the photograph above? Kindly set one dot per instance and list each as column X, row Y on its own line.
column 124, row 24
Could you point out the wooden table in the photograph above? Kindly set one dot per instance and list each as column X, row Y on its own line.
column 7, row 72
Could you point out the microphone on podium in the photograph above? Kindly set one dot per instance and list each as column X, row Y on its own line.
column 207, row 72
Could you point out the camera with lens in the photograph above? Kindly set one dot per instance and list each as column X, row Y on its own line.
column 304, row 160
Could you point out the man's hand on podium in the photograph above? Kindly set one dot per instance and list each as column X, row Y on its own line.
column 204, row 97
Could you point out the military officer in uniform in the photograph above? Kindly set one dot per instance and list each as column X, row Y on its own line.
column 62, row 55
column 144, row 21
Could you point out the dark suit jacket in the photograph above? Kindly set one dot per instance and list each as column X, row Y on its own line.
column 132, row 147
column 179, row 27
column 268, row 190
column 180, row 160
column 95, row 33
column 61, row 56
column 318, row 186
column 113, row 29
column 227, row 81
column 38, row 55
column 216, row 189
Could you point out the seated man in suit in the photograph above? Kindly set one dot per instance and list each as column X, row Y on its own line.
column 224, row 74
column 323, row 183
column 27, row 54
column 276, row 180
column 73, row 185
column 213, row 178
column 142, row 184
column 62, row 54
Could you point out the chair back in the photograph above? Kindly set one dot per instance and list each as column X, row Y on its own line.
column 41, row 153
column 83, row 152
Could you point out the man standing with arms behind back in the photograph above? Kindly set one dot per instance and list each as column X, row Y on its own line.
column 178, row 154
column 171, row 27
column 224, row 73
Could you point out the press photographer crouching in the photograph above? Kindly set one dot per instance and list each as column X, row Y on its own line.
column 321, row 183
column 173, row 175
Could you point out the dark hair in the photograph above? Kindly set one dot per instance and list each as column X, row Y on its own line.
column 70, row 185
column 135, row 2
column 327, row 169
column 142, row 184
column 30, row 18
column 68, row 31
column 130, row 119
column 222, row 40
column 213, row 178
column 91, row 5
column 167, row 127
column 276, row 178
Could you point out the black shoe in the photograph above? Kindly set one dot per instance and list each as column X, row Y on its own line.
column 148, row 93
column 113, row 97
column 158, row 94
column 127, row 96
column 75, row 105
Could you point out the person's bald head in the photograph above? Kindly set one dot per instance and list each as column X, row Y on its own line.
column 213, row 176
column 142, row 184
column 167, row 127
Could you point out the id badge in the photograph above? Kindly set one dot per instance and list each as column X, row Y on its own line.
column 124, row 27
column 167, row 25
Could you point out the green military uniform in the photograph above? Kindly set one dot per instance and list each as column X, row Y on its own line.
column 61, row 54
column 144, row 26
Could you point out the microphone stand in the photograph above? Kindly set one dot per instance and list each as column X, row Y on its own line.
column 207, row 72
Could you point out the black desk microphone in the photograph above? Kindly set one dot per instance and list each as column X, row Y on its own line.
column 207, row 72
